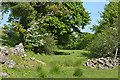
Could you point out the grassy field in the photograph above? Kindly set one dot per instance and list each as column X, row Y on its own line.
column 65, row 64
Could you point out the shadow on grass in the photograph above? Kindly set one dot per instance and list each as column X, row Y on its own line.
column 88, row 55
column 61, row 53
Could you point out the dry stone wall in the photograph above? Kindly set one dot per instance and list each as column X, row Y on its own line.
column 102, row 63
column 18, row 50
column 4, row 56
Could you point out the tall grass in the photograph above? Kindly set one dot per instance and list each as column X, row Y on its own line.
column 77, row 63
column 55, row 69
column 41, row 71
column 56, row 66
column 78, row 72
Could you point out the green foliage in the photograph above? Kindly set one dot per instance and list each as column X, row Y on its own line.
column 61, row 53
column 72, row 43
column 109, row 17
column 78, row 41
column 84, row 40
column 50, row 45
column 28, row 46
column 78, row 72
column 39, row 40
column 57, row 18
column 118, row 26
column 36, row 36
column 105, row 43
column 13, row 33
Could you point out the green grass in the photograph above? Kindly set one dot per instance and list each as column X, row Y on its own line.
column 57, row 66
column 0, row 72
column 78, row 72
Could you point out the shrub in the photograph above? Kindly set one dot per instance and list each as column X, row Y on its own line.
column 50, row 45
column 105, row 43
column 28, row 46
column 78, row 72
column 61, row 53
column 39, row 40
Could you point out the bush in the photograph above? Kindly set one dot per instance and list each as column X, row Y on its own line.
column 39, row 40
column 78, row 72
column 50, row 45
column 61, row 53
column 105, row 43
column 28, row 46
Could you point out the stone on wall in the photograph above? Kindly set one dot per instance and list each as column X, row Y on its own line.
column 102, row 63
column 4, row 51
column 5, row 74
column 10, row 63
column 19, row 50
column 3, row 59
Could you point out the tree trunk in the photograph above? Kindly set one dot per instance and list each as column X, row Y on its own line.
column 116, row 53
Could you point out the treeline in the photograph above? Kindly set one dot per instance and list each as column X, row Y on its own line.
column 79, row 42
column 42, row 25
column 104, row 42
column 45, row 26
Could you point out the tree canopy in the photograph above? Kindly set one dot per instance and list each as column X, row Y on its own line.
column 31, row 22
column 106, row 41
column 108, row 17
column 59, row 18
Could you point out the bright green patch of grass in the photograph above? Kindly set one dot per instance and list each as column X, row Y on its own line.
column 57, row 66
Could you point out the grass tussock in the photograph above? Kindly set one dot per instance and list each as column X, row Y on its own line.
column 41, row 71
column 78, row 72
column 55, row 69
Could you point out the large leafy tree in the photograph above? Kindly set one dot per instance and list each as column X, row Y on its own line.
column 59, row 18
column 118, row 25
column 11, row 35
column 106, row 40
column 109, row 17
column 71, row 44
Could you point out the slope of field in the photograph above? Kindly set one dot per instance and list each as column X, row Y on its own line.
column 65, row 64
